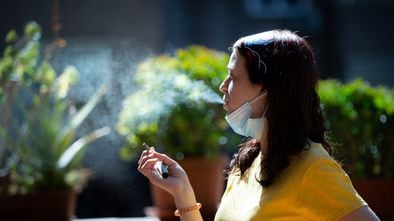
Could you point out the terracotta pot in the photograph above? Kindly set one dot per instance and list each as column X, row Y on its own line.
column 56, row 205
column 206, row 177
column 379, row 194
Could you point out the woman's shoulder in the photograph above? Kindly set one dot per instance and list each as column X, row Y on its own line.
column 313, row 157
column 315, row 152
column 325, row 190
column 317, row 165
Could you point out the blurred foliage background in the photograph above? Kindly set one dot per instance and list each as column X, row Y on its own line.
column 39, row 149
column 107, row 40
column 360, row 120
column 178, row 108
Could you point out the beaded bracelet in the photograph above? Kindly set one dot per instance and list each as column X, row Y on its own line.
column 182, row 211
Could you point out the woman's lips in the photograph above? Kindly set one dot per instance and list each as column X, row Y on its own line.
column 225, row 104
column 225, row 100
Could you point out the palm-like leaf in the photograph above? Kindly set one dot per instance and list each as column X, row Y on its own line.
column 79, row 144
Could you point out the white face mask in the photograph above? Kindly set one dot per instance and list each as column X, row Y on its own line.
column 242, row 124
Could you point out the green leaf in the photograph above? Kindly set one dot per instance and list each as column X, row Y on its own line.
column 11, row 36
column 78, row 118
column 45, row 74
column 69, row 77
column 32, row 31
column 6, row 68
column 72, row 151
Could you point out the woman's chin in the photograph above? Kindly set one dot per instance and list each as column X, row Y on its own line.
column 226, row 107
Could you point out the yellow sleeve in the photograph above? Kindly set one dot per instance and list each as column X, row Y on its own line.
column 326, row 192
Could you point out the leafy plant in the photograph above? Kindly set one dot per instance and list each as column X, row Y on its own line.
column 360, row 118
column 176, row 105
column 38, row 148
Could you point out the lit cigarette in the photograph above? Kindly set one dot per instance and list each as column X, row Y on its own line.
column 160, row 166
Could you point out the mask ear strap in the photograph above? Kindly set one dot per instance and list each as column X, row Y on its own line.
column 264, row 94
column 261, row 95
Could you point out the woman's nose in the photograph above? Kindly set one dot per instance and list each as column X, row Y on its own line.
column 223, row 86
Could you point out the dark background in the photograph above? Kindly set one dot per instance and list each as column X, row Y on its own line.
column 105, row 39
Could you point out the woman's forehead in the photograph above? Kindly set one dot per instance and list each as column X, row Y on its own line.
column 232, row 61
column 236, row 61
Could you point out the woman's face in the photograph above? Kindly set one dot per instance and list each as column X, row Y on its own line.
column 237, row 88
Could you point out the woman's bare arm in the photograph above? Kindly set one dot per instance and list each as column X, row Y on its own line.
column 361, row 214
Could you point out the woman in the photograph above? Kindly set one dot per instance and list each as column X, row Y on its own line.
column 285, row 171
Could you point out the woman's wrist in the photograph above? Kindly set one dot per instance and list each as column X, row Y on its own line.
column 187, row 206
column 185, row 197
column 183, row 211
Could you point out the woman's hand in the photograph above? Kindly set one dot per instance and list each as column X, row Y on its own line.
column 174, row 183
column 177, row 183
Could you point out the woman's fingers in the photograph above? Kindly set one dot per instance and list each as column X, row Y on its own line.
column 144, row 156
column 148, row 167
column 164, row 158
column 149, row 160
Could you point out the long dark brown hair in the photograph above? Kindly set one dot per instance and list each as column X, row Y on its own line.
column 284, row 64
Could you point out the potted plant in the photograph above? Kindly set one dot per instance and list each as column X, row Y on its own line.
column 360, row 118
column 40, row 157
column 176, row 109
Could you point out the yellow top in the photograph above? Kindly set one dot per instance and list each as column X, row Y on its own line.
column 313, row 187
